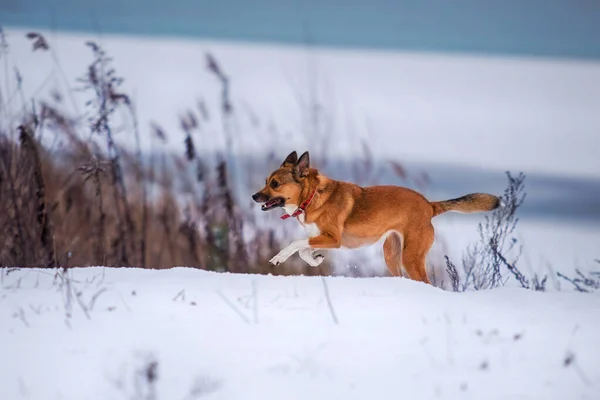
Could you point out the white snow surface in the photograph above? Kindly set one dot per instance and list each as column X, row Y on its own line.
column 227, row 336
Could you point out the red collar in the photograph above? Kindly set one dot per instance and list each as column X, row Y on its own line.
column 302, row 207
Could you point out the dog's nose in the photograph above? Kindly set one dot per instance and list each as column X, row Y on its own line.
column 257, row 196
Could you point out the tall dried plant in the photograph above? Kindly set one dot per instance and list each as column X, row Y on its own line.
column 31, row 151
column 101, row 79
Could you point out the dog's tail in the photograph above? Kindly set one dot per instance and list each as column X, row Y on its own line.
column 470, row 203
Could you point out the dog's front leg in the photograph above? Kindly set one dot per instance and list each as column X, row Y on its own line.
column 322, row 241
column 288, row 251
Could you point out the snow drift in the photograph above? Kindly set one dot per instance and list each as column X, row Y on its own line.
column 102, row 333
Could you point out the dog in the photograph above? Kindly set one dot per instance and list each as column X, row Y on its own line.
column 339, row 214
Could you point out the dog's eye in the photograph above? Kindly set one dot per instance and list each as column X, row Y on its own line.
column 274, row 184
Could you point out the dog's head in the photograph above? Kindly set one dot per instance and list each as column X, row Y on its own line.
column 285, row 184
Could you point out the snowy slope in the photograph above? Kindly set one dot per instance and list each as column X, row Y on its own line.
column 223, row 336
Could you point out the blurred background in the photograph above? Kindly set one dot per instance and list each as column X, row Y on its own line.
column 148, row 125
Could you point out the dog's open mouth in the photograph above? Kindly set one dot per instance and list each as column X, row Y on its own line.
column 273, row 203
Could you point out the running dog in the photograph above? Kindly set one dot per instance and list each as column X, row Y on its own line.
column 341, row 214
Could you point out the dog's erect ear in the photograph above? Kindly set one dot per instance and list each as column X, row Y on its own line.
column 291, row 159
column 303, row 165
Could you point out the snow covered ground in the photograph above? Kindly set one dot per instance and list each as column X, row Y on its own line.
column 225, row 336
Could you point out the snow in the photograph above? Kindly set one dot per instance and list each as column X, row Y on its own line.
column 558, row 245
column 226, row 336
column 462, row 109
column 396, row 338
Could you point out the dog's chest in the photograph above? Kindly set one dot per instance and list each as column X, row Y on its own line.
column 311, row 229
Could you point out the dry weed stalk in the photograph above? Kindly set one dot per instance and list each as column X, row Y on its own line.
column 102, row 80
column 31, row 151
column 92, row 170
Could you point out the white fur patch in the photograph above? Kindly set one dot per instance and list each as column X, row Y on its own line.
column 290, row 208
column 388, row 233
column 311, row 257
column 312, row 230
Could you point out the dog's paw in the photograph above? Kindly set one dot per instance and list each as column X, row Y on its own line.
column 279, row 258
column 311, row 257
column 275, row 260
column 316, row 261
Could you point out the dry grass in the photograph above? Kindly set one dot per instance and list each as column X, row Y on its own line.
column 65, row 208
column 91, row 201
column 88, row 204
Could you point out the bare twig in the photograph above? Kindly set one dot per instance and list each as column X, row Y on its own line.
column 583, row 283
column 82, row 305
column 255, row 302
column 329, row 303
column 95, row 297
column 180, row 294
column 453, row 273
column 233, row 307
column 21, row 315
column 571, row 361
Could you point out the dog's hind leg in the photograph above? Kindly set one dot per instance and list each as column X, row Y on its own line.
column 414, row 253
column 392, row 252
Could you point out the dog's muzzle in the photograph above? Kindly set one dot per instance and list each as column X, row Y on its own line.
column 260, row 197
column 268, row 202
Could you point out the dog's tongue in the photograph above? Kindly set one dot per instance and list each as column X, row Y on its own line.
column 269, row 203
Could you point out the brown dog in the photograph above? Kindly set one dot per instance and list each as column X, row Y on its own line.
column 340, row 214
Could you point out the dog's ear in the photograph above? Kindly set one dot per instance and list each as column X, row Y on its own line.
column 303, row 165
column 291, row 159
